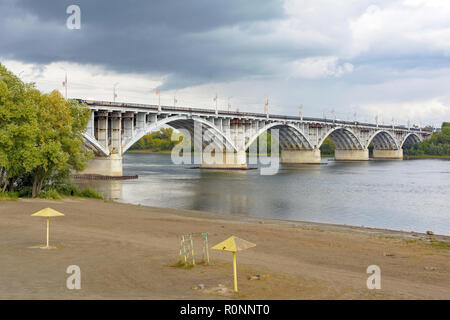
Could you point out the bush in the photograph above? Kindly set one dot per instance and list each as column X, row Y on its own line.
column 8, row 196
column 26, row 192
column 90, row 192
column 68, row 189
column 50, row 194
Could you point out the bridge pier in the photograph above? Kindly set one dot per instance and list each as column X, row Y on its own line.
column 301, row 156
column 388, row 154
column 105, row 166
column 351, row 155
column 224, row 160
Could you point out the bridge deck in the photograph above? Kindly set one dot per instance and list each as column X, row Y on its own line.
column 262, row 116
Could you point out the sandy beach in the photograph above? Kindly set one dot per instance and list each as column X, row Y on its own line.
column 129, row 252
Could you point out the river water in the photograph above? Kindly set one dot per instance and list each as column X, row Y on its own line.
column 409, row 195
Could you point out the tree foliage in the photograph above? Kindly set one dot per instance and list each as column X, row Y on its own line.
column 156, row 141
column 437, row 145
column 40, row 135
column 327, row 147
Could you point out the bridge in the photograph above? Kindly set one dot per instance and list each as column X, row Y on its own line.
column 114, row 127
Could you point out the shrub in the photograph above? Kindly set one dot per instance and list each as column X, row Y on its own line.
column 50, row 194
column 90, row 192
column 8, row 196
column 68, row 189
column 25, row 192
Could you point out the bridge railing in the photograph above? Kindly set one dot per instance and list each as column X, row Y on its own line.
column 243, row 114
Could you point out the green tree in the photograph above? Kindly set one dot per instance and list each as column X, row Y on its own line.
column 437, row 145
column 327, row 147
column 18, row 128
column 60, row 141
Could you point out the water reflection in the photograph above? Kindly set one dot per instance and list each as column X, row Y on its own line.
column 402, row 195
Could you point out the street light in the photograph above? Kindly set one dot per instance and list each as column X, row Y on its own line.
column 215, row 99
column 266, row 108
column 65, row 81
column 175, row 99
column 114, row 91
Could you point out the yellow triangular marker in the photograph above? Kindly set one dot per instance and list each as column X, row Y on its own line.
column 47, row 212
column 234, row 244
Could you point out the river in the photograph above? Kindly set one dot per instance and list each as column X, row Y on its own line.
column 409, row 195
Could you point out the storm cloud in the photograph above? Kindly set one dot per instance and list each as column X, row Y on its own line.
column 385, row 56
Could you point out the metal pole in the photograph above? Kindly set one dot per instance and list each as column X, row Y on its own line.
column 217, row 111
column 66, row 85
column 235, row 272
column 48, row 227
column 115, row 85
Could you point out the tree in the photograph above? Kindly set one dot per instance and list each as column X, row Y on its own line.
column 18, row 128
column 437, row 145
column 60, row 142
column 40, row 135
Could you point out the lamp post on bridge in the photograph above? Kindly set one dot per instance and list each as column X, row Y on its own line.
column 215, row 100
column 300, row 112
column 159, row 99
column 266, row 108
column 114, row 91
column 65, row 81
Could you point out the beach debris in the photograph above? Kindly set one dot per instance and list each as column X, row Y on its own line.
column 186, row 254
column 201, row 286
column 47, row 212
column 431, row 268
column 387, row 254
column 258, row 277
column 220, row 289
column 234, row 244
column 430, row 233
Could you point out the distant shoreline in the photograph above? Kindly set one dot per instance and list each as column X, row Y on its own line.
column 405, row 157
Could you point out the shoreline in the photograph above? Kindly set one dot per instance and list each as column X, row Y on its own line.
column 130, row 251
column 294, row 223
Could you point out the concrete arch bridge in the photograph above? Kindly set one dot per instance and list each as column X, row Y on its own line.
column 114, row 127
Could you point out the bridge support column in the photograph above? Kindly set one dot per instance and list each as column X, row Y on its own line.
column 388, row 154
column 351, row 155
column 224, row 160
column 301, row 156
column 105, row 166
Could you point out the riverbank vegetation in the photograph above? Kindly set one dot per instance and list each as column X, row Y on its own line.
column 41, row 139
column 158, row 141
column 437, row 146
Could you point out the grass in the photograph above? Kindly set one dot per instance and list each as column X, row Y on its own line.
column 50, row 194
column 440, row 244
column 9, row 196
column 181, row 264
column 425, row 156
column 432, row 243
column 53, row 193
column 90, row 192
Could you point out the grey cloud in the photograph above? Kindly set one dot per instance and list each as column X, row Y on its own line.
column 182, row 39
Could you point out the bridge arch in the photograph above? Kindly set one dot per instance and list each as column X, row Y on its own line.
column 410, row 139
column 187, row 123
column 383, row 140
column 95, row 146
column 290, row 136
column 343, row 139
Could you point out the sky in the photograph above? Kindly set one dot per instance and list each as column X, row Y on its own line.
column 345, row 59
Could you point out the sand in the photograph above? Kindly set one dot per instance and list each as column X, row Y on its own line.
column 129, row 252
